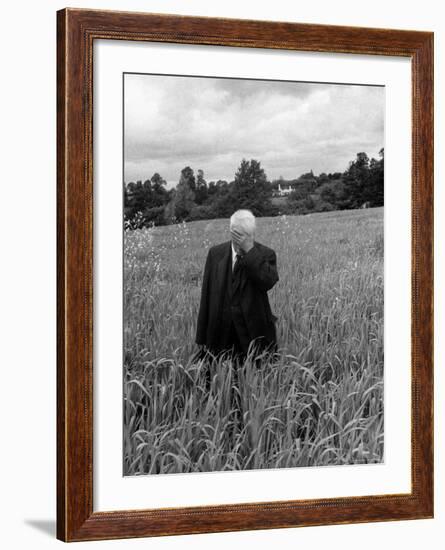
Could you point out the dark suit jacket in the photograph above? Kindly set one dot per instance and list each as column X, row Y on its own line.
column 258, row 272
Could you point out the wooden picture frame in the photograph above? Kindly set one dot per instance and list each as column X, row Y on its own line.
column 76, row 32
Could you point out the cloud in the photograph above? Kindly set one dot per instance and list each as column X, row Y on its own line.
column 212, row 123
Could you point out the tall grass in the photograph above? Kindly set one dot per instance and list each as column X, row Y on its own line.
column 319, row 401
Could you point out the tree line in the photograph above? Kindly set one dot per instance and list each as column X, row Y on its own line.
column 150, row 203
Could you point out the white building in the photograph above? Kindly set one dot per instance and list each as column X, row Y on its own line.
column 284, row 189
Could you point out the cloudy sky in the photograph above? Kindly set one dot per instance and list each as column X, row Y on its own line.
column 213, row 123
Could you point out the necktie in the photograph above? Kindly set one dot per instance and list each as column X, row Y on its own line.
column 237, row 259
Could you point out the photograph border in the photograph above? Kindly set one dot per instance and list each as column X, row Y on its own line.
column 76, row 31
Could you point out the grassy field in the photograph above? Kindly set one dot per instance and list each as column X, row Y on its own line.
column 319, row 402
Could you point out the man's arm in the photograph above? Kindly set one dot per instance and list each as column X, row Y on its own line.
column 201, row 328
column 261, row 267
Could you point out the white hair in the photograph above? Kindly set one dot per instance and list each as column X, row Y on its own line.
column 244, row 219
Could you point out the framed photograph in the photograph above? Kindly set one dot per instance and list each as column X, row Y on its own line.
column 245, row 275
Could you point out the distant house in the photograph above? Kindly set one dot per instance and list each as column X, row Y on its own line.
column 284, row 189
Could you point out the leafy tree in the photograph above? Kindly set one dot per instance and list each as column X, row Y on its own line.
column 145, row 200
column 169, row 210
column 323, row 178
column 154, row 216
column 251, row 189
column 126, row 197
column 201, row 192
column 159, row 194
column 356, row 180
column 335, row 175
column 135, row 198
column 375, row 187
column 221, row 187
column 184, row 197
column 202, row 212
column 327, row 193
column 188, row 178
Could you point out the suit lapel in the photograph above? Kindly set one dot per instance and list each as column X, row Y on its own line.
column 222, row 268
column 222, row 265
column 243, row 278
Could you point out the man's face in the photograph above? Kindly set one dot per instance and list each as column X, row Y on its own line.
column 246, row 235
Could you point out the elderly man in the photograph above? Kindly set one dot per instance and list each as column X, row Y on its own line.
column 234, row 309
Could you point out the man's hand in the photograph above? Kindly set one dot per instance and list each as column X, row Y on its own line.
column 241, row 240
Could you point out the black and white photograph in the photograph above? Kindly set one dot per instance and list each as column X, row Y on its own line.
column 253, row 274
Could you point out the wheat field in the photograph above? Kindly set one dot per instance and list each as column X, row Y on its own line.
column 319, row 401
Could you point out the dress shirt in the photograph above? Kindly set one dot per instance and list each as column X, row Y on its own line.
column 234, row 254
